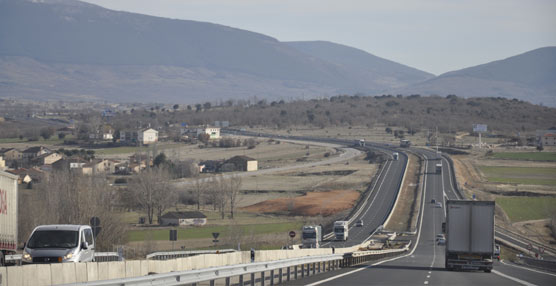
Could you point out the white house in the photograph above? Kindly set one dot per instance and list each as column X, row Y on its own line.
column 214, row 132
column 148, row 136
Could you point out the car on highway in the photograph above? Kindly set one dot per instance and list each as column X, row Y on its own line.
column 59, row 243
column 433, row 201
column 438, row 205
column 359, row 223
column 440, row 239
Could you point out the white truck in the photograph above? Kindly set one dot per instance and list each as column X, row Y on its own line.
column 8, row 215
column 439, row 168
column 469, row 235
column 395, row 156
column 311, row 236
column 362, row 142
column 341, row 229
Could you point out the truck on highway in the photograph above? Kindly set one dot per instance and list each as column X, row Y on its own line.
column 341, row 229
column 404, row 143
column 8, row 215
column 362, row 142
column 395, row 156
column 469, row 235
column 439, row 168
column 311, row 236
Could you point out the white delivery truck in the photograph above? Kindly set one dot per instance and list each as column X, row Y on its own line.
column 311, row 236
column 439, row 168
column 395, row 156
column 341, row 229
column 469, row 235
column 362, row 142
column 8, row 215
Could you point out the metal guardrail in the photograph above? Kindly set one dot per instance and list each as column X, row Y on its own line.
column 179, row 254
column 225, row 272
column 549, row 265
column 309, row 264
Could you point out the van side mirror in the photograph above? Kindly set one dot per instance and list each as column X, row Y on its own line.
column 24, row 244
column 84, row 245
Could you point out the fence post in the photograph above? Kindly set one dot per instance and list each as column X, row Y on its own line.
column 280, row 273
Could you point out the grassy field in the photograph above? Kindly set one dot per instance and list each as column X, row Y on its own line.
column 520, row 175
column 206, row 231
column 528, row 156
column 528, row 208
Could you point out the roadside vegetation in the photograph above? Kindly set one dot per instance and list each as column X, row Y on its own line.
column 527, row 156
column 528, row 208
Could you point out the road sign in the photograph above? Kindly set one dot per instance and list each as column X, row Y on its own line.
column 479, row 128
column 292, row 234
column 173, row 234
column 215, row 235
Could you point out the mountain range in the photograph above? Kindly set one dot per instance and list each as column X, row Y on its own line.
column 71, row 50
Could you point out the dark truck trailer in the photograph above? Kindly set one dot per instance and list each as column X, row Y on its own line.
column 469, row 235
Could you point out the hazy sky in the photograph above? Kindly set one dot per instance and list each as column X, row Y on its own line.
column 432, row 35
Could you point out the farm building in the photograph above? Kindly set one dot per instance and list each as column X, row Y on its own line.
column 194, row 218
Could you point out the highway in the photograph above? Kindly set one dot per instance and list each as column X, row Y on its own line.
column 424, row 264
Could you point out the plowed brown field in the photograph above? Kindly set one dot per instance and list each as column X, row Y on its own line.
column 311, row 204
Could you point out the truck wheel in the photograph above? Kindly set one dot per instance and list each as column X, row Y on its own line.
column 487, row 270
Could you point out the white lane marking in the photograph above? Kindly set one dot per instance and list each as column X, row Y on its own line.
column 391, row 259
column 426, row 283
column 513, row 278
column 428, row 276
column 430, row 272
column 525, row 268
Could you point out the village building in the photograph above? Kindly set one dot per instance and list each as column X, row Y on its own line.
column 47, row 159
column 194, row 218
column 11, row 154
column 240, row 163
column 213, row 132
column 34, row 152
column 546, row 137
column 148, row 136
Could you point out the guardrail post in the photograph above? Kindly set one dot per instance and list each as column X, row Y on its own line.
column 295, row 272
column 262, row 278
column 211, row 282
column 314, row 270
column 308, row 269
column 227, row 281
column 252, row 279
column 319, row 266
column 280, row 273
column 241, row 280
column 271, row 277
column 288, row 276
column 302, row 271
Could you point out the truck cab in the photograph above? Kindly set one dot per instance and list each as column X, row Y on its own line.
column 395, row 156
column 311, row 236
column 59, row 243
column 341, row 230
column 439, row 168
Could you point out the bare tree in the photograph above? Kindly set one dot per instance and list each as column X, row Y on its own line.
column 152, row 191
column 200, row 186
column 67, row 197
column 234, row 191
column 221, row 194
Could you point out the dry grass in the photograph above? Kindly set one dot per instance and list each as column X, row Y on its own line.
column 406, row 212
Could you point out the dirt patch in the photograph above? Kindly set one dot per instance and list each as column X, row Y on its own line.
column 311, row 204
column 406, row 212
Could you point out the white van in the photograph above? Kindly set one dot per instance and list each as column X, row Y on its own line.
column 60, row 243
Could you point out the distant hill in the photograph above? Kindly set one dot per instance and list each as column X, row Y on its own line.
column 64, row 49
column 530, row 76
column 365, row 66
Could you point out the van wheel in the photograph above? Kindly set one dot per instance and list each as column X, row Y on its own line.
column 487, row 270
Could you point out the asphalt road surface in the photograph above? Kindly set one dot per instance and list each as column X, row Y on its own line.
column 424, row 264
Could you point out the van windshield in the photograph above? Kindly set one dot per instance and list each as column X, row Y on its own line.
column 54, row 239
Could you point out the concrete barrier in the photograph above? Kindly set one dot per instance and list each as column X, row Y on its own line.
column 3, row 276
column 80, row 272
column 92, row 271
column 15, row 276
